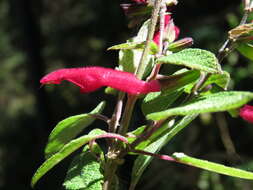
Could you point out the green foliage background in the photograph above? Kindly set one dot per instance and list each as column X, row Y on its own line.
column 39, row 36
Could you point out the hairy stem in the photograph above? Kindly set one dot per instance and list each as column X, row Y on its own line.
column 114, row 150
column 151, row 30
column 157, row 67
column 127, row 114
column 144, row 136
column 114, row 121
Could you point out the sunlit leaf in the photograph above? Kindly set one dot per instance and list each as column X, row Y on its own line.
column 221, row 80
column 217, row 102
column 84, row 173
column 129, row 59
column 135, row 45
column 159, row 101
column 128, row 45
column 68, row 129
column 143, row 161
column 246, row 49
column 211, row 166
column 195, row 59
column 63, row 153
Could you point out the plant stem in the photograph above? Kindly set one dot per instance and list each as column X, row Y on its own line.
column 141, row 67
column 110, row 170
column 162, row 27
column 157, row 67
column 147, row 133
column 151, row 30
column 115, row 150
column 114, row 121
column 127, row 114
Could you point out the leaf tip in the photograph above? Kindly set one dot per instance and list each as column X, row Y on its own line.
column 33, row 182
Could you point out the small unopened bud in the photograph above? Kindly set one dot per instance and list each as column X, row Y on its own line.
column 180, row 44
column 241, row 32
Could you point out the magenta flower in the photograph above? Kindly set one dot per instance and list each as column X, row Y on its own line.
column 167, row 21
column 91, row 78
column 246, row 112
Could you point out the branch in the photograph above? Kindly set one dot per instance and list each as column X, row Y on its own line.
column 225, row 49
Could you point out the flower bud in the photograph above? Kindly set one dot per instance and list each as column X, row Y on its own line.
column 171, row 32
column 246, row 112
column 180, row 44
column 241, row 32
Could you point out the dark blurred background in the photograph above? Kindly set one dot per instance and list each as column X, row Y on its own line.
column 39, row 36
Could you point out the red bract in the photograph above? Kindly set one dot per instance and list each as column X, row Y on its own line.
column 247, row 113
column 167, row 20
column 91, row 78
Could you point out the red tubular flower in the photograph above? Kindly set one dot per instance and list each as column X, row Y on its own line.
column 167, row 21
column 246, row 112
column 91, row 78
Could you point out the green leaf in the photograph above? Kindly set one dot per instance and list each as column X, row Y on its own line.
column 131, row 136
column 217, row 102
column 222, row 80
column 129, row 59
column 63, row 153
column 143, row 32
column 159, row 101
column 68, row 129
column 111, row 91
column 214, row 167
column 84, row 173
column 178, row 81
column 195, row 59
column 246, row 49
column 143, row 161
column 128, row 45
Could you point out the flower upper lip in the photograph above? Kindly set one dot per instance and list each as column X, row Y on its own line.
column 91, row 78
